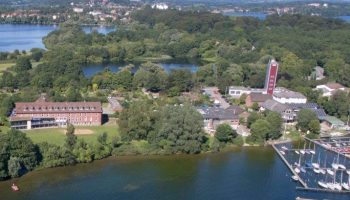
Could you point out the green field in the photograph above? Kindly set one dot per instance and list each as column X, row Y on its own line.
column 57, row 136
column 4, row 66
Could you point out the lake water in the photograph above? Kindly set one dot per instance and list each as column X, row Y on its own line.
column 345, row 18
column 26, row 37
column 91, row 70
column 248, row 174
column 258, row 15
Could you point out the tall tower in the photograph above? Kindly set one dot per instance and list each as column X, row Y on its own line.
column 271, row 76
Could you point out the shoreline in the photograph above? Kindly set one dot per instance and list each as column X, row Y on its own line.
column 137, row 157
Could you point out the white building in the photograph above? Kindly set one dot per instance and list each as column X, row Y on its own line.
column 78, row 10
column 287, row 96
column 330, row 88
column 236, row 91
column 160, row 6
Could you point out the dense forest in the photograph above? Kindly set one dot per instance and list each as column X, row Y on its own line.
column 233, row 50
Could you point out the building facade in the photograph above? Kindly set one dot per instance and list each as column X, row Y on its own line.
column 288, row 97
column 39, row 114
column 271, row 76
column 329, row 89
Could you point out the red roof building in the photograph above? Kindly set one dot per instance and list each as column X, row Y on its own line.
column 28, row 115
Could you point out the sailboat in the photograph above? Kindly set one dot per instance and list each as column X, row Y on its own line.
column 317, row 171
column 316, row 165
column 341, row 166
column 335, row 165
column 295, row 178
column 302, row 151
column 346, row 185
column 323, row 171
column 330, row 172
column 297, row 170
column 322, row 184
column 334, row 185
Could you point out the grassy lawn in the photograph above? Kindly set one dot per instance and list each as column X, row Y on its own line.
column 56, row 135
column 4, row 66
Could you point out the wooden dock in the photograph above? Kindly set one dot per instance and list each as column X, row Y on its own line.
column 323, row 190
column 290, row 167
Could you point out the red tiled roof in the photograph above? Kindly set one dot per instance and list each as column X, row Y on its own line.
column 58, row 107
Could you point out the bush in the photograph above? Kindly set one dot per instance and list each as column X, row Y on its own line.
column 238, row 141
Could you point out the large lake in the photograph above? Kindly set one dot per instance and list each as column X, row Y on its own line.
column 26, row 37
column 247, row 174
column 259, row 15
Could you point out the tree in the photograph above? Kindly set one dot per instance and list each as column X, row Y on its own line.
column 314, row 126
column 252, row 118
column 36, row 54
column 23, row 64
column 181, row 79
column 255, row 106
column 71, row 138
column 150, row 76
column 137, row 121
column 14, row 167
column 260, row 130
column 275, row 121
column 304, row 117
column 181, row 127
column 102, row 138
column 225, row 133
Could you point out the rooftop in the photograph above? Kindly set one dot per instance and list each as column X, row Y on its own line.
column 296, row 106
column 259, row 97
column 235, row 109
column 289, row 95
column 218, row 113
column 333, row 120
column 57, row 107
column 334, row 86
column 275, row 106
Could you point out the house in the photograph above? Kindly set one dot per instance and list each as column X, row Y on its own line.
column 258, row 98
column 39, row 114
column 332, row 122
column 329, row 89
column 287, row 96
column 236, row 91
column 235, row 109
column 214, row 116
column 296, row 107
column 287, row 114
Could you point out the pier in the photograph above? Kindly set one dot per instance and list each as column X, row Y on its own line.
column 290, row 167
column 325, row 152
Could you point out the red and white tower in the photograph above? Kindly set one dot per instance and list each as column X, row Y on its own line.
column 271, row 76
